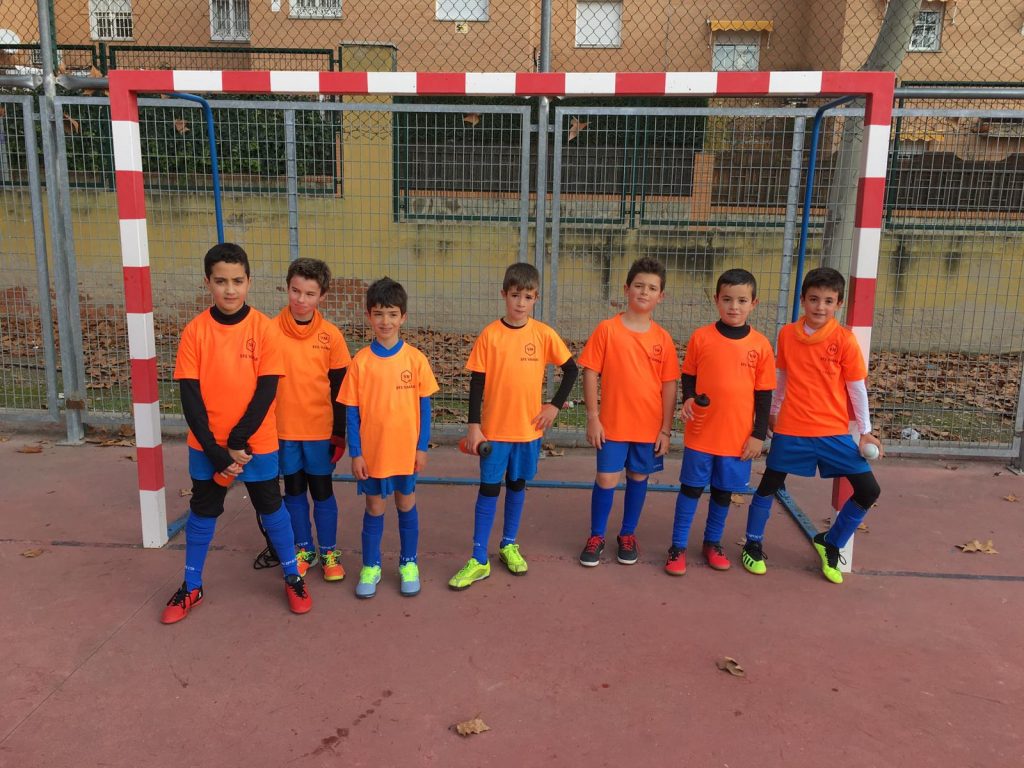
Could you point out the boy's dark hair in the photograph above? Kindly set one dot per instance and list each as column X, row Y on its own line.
column 521, row 275
column 229, row 253
column 386, row 293
column 824, row 277
column 647, row 266
column 737, row 277
column 310, row 269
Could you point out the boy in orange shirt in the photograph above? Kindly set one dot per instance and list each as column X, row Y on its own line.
column 507, row 364
column 228, row 366
column 310, row 421
column 821, row 377
column 638, row 367
column 387, row 397
column 731, row 365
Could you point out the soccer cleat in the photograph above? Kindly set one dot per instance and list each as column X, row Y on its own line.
column 331, row 562
column 299, row 600
column 715, row 557
column 369, row 578
column 753, row 558
column 305, row 559
column 183, row 601
column 514, row 561
column 591, row 554
column 830, row 559
column 410, row 575
column 676, row 564
column 629, row 553
column 472, row 571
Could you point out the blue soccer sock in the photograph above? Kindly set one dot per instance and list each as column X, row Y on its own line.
column 373, row 531
column 600, row 508
column 198, row 535
column 325, row 515
column 279, row 530
column 757, row 516
column 298, row 512
column 850, row 516
column 715, row 526
column 514, row 501
column 686, row 508
column 409, row 534
column 483, row 520
column 633, row 505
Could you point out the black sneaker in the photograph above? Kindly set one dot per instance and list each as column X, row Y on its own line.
column 628, row 551
column 591, row 554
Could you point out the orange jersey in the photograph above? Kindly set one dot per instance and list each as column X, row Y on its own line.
column 513, row 360
column 227, row 360
column 387, row 391
column 817, row 368
column 304, row 409
column 633, row 367
column 728, row 371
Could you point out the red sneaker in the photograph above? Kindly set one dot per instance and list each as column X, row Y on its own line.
column 676, row 565
column 183, row 601
column 299, row 600
column 715, row 556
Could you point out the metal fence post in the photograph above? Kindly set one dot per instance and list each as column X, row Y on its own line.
column 292, row 182
column 796, row 161
column 543, row 117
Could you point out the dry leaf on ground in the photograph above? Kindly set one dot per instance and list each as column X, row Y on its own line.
column 123, row 443
column 1010, row 497
column 738, row 499
column 183, row 492
column 34, row 552
column 550, row 450
column 30, row 449
column 977, row 546
column 952, row 467
column 129, row 456
column 469, row 727
column 730, row 665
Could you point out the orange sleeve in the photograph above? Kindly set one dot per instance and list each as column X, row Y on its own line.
column 852, row 362
column 780, row 354
column 764, row 376
column 557, row 351
column 593, row 353
column 271, row 362
column 478, row 355
column 186, row 366
column 670, row 362
column 692, row 355
column 349, row 392
column 426, row 383
column 340, row 357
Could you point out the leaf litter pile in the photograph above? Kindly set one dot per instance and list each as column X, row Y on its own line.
column 952, row 389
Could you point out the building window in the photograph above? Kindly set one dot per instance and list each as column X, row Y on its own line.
column 736, row 52
column 598, row 24
column 229, row 20
column 463, row 10
column 927, row 34
column 110, row 19
column 315, row 9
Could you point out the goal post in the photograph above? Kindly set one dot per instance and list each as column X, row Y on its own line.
column 125, row 86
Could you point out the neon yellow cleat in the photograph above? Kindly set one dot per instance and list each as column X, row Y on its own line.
column 510, row 556
column 472, row 571
column 830, row 559
column 753, row 558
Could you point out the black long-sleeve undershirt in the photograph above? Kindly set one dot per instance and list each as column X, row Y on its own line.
column 255, row 412
column 336, row 376
column 199, row 422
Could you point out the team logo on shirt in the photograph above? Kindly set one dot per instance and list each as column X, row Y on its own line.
column 323, row 337
column 831, row 354
column 529, row 352
column 752, row 358
column 657, row 349
column 833, row 349
column 250, row 350
column 406, row 377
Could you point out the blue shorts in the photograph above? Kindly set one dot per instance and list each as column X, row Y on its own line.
column 386, row 486
column 262, row 466
column 514, row 461
column 727, row 473
column 311, row 456
column 636, row 457
column 835, row 456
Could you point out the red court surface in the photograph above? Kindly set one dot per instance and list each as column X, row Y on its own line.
column 915, row 661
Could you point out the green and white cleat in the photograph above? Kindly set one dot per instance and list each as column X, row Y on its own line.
column 369, row 578
column 472, row 571
column 410, row 575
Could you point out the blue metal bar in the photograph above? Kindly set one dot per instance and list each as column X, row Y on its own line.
column 214, row 165
column 175, row 527
column 790, row 505
column 805, row 220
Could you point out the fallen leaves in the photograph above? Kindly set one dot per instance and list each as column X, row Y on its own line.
column 470, row 727
column 730, row 665
column 71, row 125
column 738, row 499
column 576, row 127
column 184, row 492
column 34, row 552
column 30, row 448
column 181, row 126
column 549, row 450
column 471, row 118
column 1010, row 497
column 976, row 546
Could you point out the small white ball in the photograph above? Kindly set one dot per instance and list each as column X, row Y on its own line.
column 869, row 451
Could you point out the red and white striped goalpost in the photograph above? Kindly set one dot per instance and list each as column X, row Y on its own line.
column 126, row 85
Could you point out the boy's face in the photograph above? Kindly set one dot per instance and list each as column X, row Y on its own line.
column 386, row 322
column 735, row 303
column 303, row 297
column 820, row 305
column 519, row 304
column 644, row 293
column 228, row 285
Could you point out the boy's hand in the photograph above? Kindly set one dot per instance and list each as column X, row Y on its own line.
column 687, row 409
column 772, row 419
column 752, row 449
column 872, row 440
column 239, row 457
column 474, row 436
column 421, row 460
column 662, row 444
column 546, row 417
column 359, row 468
column 337, row 448
column 595, row 432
